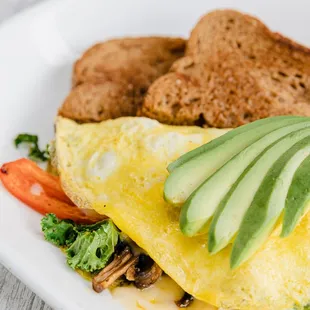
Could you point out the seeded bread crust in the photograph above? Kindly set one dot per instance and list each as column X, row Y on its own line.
column 111, row 79
column 235, row 71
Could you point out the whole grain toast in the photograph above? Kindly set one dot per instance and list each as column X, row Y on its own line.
column 235, row 71
column 111, row 78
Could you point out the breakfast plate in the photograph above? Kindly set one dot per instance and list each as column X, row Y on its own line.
column 37, row 50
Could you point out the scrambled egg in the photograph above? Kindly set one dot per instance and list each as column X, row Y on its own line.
column 118, row 168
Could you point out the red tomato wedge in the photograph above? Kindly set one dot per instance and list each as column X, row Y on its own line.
column 42, row 191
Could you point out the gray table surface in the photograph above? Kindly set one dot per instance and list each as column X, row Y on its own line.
column 14, row 295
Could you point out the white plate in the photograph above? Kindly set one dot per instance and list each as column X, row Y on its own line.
column 37, row 49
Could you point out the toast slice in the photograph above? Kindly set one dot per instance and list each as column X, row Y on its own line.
column 235, row 71
column 111, row 78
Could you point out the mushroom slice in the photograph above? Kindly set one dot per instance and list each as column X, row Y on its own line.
column 145, row 273
column 114, row 270
column 131, row 273
column 185, row 301
column 145, row 279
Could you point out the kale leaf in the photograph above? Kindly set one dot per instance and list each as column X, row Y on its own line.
column 89, row 247
column 58, row 232
column 34, row 151
column 92, row 249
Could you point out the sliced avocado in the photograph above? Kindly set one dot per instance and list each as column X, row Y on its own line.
column 186, row 178
column 297, row 198
column 230, row 212
column 268, row 203
column 203, row 202
column 216, row 142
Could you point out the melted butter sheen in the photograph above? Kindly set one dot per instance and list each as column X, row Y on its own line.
column 158, row 297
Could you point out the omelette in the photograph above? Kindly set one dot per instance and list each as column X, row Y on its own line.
column 118, row 168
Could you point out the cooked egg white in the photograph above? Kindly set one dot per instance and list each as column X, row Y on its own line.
column 118, row 168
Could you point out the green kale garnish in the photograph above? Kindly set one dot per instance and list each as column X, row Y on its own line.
column 89, row 227
column 92, row 249
column 89, row 247
column 34, row 151
column 58, row 232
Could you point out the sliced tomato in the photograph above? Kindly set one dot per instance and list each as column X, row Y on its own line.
column 42, row 191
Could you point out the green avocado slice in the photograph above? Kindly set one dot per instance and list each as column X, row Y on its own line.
column 184, row 179
column 215, row 143
column 203, row 202
column 268, row 203
column 229, row 214
column 297, row 198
